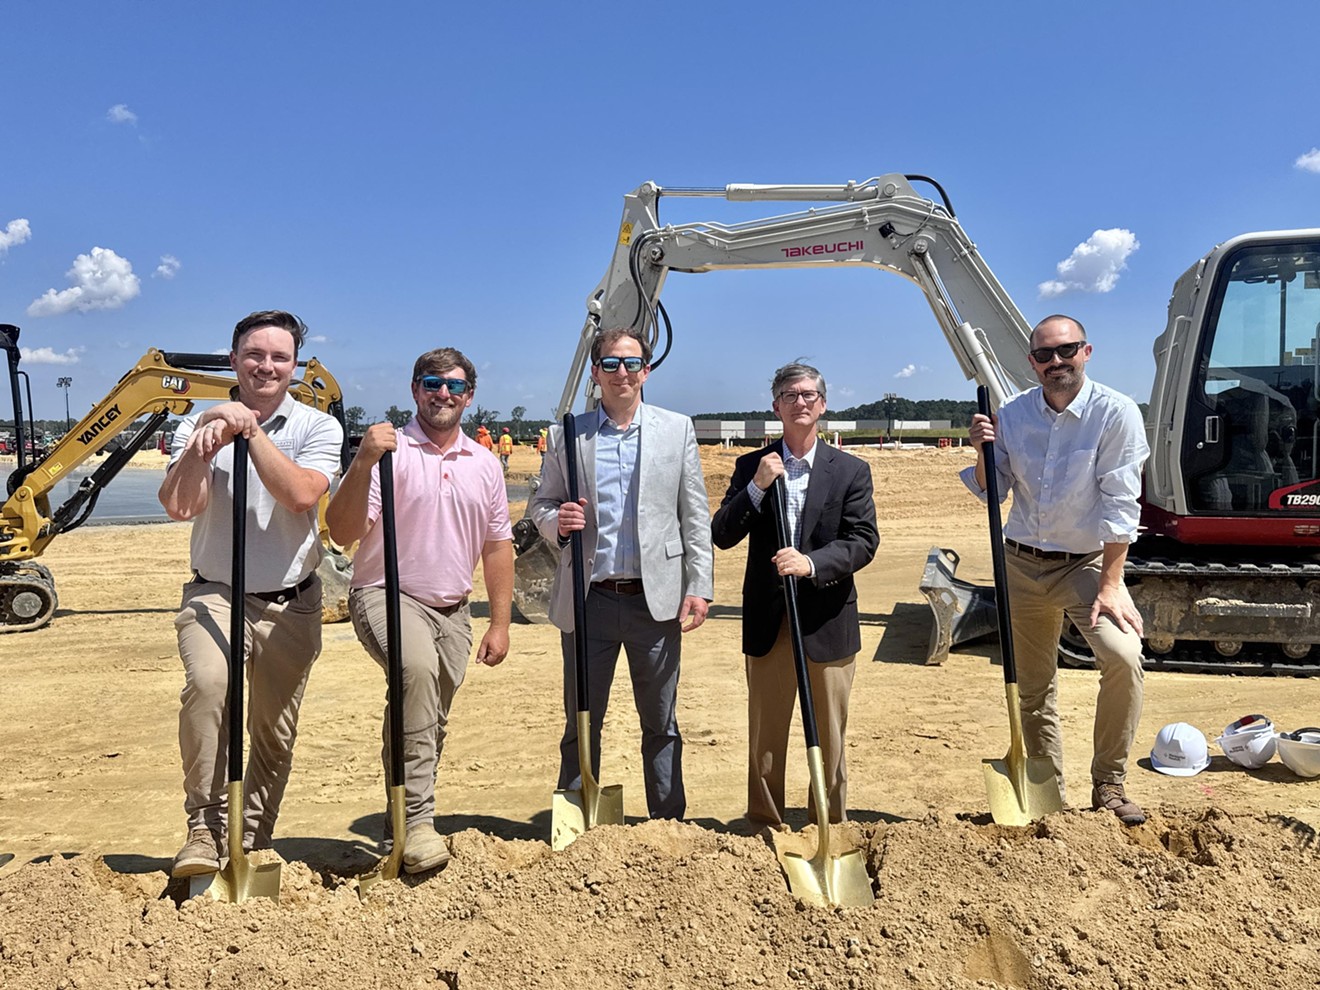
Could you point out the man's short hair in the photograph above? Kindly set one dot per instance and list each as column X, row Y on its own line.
column 270, row 318
column 1058, row 316
column 791, row 373
column 442, row 359
column 605, row 338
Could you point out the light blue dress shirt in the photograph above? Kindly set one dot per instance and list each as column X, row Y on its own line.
column 1075, row 474
column 618, row 554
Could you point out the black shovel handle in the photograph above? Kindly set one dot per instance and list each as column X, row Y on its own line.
column 393, row 625
column 997, row 546
column 237, row 608
column 795, row 622
column 579, row 569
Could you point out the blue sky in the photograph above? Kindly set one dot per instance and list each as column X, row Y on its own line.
column 411, row 175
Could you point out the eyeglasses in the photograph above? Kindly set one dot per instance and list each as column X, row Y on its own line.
column 809, row 396
column 610, row 365
column 1044, row 355
column 433, row 383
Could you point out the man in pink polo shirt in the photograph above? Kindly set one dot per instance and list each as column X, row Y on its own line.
column 451, row 510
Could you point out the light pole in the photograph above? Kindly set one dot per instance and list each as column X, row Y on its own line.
column 66, row 383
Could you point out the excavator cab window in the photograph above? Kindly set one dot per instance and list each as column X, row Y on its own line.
column 1252, row 422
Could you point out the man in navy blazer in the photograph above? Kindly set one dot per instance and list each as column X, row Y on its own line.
column 645, row 525
column 831, row 522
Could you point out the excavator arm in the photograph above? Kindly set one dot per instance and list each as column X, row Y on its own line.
column 159, row 385
column 881, row 223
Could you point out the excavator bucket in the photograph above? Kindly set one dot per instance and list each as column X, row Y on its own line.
column 962, row 611
column 534, row 572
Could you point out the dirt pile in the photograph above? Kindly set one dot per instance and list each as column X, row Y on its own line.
column 1201, row 899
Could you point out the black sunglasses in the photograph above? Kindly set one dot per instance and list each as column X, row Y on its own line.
column 1044, row 355
column 610, row 365
column 433, row 383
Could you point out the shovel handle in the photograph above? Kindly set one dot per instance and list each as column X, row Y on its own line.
column 393, row 624
column 795, row 622
column 997, row 546
column 237, row 607
column 579, row 569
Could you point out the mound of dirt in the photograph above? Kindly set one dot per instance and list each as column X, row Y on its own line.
column 1076, row 901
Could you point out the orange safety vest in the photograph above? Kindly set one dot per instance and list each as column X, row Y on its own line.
column 483, row 438
column 506, row 444
column 540, row 444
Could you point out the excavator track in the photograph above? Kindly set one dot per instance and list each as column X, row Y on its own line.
column 1271, row 592
column 27, row 596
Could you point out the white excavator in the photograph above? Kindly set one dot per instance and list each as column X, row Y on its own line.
column 1227, row 571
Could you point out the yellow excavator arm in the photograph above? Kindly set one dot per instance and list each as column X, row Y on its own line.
column 159, row 385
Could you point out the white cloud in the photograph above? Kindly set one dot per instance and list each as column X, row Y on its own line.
column 14, row 234
column 120, row 114
column 1094, row 264
column 1309, row 162
column 318, row 338
column 101, row 280
column 169, row 267
column 45, row 355
column 907, row 372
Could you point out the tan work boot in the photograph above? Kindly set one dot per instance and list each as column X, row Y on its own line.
column 1112, row 797
column 200, row 854
column 424, row 849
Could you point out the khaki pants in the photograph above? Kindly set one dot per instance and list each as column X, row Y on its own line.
column 282, row 642
column 1040, row 594
column 436, row 644
column 771, row 694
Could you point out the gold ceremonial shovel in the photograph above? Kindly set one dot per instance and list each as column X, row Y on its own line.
column 240, row 878
column 838, row 878
column 1020, row 788
column 573, row 811
column 389, row 870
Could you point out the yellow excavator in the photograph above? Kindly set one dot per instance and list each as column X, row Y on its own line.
column 160, row 384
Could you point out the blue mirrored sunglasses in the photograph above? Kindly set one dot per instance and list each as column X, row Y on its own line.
column 632, row 365
column 433, row 383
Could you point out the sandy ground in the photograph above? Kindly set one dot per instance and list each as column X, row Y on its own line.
column 1219, row 889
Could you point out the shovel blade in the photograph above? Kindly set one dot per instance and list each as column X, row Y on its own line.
column 1021, row 790
column 840, row 880
column 571, row 814
column 241, row 880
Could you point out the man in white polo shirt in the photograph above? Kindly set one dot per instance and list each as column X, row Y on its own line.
column 451, row 510
column 294, row 452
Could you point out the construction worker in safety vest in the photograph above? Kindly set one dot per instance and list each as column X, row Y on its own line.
column 540, row 444
column 483, row 437
column 506, row 449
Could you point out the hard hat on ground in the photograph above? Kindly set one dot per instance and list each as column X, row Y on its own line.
column 1249, row 742
column 1180, row 750
column 1300, row 751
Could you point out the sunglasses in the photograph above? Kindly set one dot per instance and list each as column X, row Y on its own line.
column 610, row 365
column 1044, row 355
column 433, row 383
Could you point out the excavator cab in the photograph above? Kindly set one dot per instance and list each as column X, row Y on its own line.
column 1256, row 389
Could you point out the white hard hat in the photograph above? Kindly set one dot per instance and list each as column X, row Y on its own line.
column 1300, row 751
column 1249, row 742
column 1180, row 750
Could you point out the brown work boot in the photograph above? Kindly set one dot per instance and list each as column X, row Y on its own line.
column 424, row 849
column 1111, row 797
column 200, row 854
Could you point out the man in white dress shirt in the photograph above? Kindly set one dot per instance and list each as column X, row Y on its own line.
column 1071, row 451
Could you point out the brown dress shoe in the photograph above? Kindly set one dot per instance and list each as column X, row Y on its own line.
column 1111, row 797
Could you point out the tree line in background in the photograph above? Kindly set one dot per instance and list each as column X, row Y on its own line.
column 959, row 414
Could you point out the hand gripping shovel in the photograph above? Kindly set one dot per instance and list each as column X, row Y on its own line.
column 240, row 878
column 825, row 878
column 1020, row 788
column 389, row 870
column 572, row 812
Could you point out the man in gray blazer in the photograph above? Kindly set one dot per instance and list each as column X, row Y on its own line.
column 645, row 526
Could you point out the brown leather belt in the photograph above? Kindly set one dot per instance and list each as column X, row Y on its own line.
column 627, row 586
column 1039, row 554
